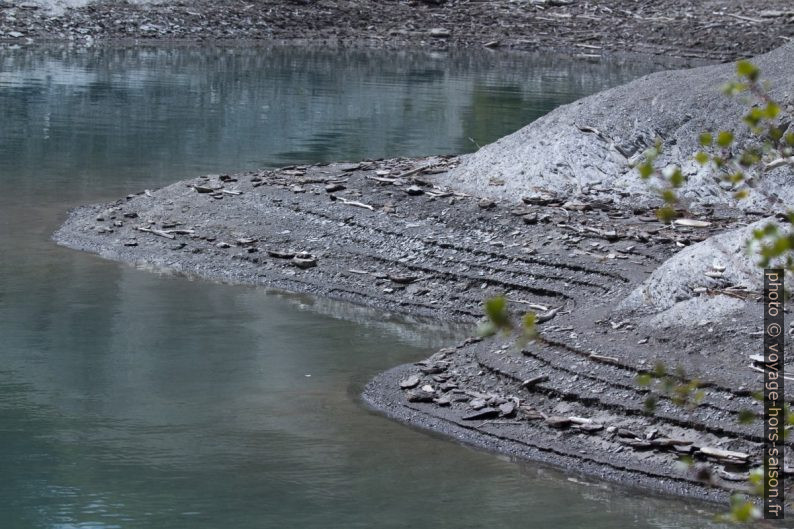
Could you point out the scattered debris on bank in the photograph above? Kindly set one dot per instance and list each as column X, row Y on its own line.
column 708, row 30
column 385, row 234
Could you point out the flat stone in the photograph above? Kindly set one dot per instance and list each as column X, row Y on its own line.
column 637, row 444
column 418, row 396
column 477, row 403
column 281, row 254
column 530, row 218
column 445, row 400
column 622, row 432
column 484, row 413
column 440, row 33
column 590, row 427
column 556, row 421
column 304, row 260
column 410, row 382
column 539, row 199
column 403, row 279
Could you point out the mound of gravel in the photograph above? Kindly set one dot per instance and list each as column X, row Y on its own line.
column 586, row 148
column 710, row 280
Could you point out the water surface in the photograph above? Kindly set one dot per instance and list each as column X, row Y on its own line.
column 135, row 400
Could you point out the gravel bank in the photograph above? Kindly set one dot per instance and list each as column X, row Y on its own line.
column 591, row 145
column 387, row 235
column 406, row 236
column 718, row 30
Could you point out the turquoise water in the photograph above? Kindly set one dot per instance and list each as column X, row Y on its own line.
column 130, row 399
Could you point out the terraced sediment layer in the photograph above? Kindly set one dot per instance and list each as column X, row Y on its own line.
column 385, row 234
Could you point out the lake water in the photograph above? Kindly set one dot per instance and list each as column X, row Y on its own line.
column 135, row 400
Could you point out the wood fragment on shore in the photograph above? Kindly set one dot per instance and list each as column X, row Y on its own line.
column 528, row 384
column 719, row 453
column 155, row 231
column 761, row 370
column 416, row 170
column 605, row 359
column 355, row 203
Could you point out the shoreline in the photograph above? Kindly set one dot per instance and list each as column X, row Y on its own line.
column 384, row 234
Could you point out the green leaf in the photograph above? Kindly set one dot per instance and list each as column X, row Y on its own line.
column 746, row 416
column 650, row 404
column 748, row 70
column 749, row 158
column 659, row 370
column 666, row 214
column 698, row 397
column 731, row 89
column 770, row 229
column 702, row 158
column 644, row 379
column 646, row 170
column 706, row 139
column 724, row 138
column 772, row 110
column 677, row 178
column 496, row 311
column 743, row 510
column 754, row 116
column 669, row 196
column 529, row 327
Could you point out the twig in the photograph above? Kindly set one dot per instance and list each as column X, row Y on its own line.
column 416, row 170
column 740, row 17
column 774, row 164
column 761, row 370
column 605, row 359
column 356, row 204
column 161, row 233
column 498, row 422
column 168, row 234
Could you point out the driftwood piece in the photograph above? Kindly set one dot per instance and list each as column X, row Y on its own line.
column 605, row 359
column 355, row 203
column 154, row 231
column 719, row 453
column 416, row 170
column 534, row 381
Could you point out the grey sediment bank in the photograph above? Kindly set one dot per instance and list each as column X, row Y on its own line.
column 433, row 237
column 590, row 143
